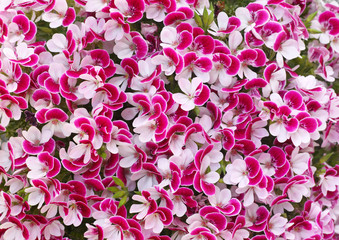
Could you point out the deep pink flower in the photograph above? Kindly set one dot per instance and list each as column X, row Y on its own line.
column 132, row 9
column 200, row 66
column 170, row 61
column 64, row 15
column 174, row 18
column 156, row 9
column 38, row 194
column 131, row 44
column 225, row 66
column 14, row 229
column 254, row 15
column 42, row 165
column 253, row 57
column 36, row 141
column 225, row 24
column 196, row 93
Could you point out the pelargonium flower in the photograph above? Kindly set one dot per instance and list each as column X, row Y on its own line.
column 328, row 24
column 286, row 48
column 130, row 44
column 14, row 229
column 253, row 57
column 200, row 66
column 225, row 24
column 21, row 28
column 36, row 141
column 42, row 165
column 64, row 15
column 254, row 15
column 179, row 38
column 196, row 93
column 225, row 66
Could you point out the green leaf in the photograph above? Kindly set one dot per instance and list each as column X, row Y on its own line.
column 113, row 189
column 210, row 19
column 46, row 30
column 196, row 110
column 118, row 182
column 326, row 157
column 311, row 17
column 205, row 16
column 122, row 201
column 313, row 31
column 197, row 19
column 119, row 194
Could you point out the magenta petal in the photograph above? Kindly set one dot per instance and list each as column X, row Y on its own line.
column 175, row 183
column 258, row 227
column 49, row 146
column 253, row 166
column 261, row 58
column 234, row 67
column 282, row 171
column 56, row 169
column 51, row 85
column 30, row 148
column 196, row 182
column 185, row 39
column 100, row 57
column 23, row 83
column 32, row 31
column 291, row 125
column 262, row 16
column 257, row 179
column 174, row 17
column 70, row 166
column 56, row 113
column 23, row 22
column 203, row 96
column 325, row 16
column 310, row 124
column 141, row 46
column 118, row 220
column 208, row 188
column 205, row 44
column 255, row 83
column 247, row 55
column 204, row 63
column 228, row 139
column 172, row 54
column 334, row 22
column 217, row 220
column 280, row 38
column 84, row 209
column 69, row 17
column 293, row 99
column 262, row 215
column 278, row 156
column 236, row 207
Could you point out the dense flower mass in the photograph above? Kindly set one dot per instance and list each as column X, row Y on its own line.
column 169, row 120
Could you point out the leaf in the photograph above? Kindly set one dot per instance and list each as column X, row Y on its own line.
column 122, row 201
column 326, row 157
column 210, row 19
column 118, row 182
column 205, row 16
column 113, row 189
column 196, row 110
column 197, row 19
column 119, row 194
column 311, row 17
column 314, row 31
column 46, row 30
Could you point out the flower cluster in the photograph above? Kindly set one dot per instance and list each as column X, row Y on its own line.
column 168, row 119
